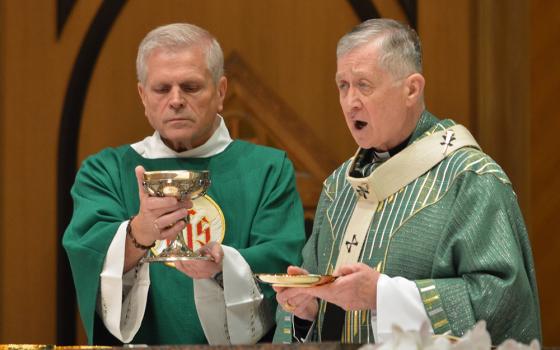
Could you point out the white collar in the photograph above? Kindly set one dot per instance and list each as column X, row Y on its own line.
column 153, row 147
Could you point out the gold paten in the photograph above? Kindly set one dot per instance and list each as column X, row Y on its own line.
column 294, row 281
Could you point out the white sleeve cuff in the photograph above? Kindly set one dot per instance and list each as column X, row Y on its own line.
column 398, row 303
column 122, row 313
column 237, row 314
column 211, row 309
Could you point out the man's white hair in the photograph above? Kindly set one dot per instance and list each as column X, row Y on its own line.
column 178, row 36
column 401, row 50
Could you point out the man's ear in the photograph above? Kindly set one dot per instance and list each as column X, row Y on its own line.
column 414, row 88
column 142, row 94
column 222, row 88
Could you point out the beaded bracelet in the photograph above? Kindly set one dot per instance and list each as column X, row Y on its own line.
column 134, row 241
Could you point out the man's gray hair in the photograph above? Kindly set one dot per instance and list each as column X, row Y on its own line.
column 401, row 51
column 178, row 36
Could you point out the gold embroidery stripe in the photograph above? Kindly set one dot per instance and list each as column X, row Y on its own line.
column 323, row 306
column 287, row 331
column 432, row 299
column 441, row 323
column 348, row 329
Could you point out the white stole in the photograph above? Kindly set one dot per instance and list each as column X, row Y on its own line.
column 397, row 172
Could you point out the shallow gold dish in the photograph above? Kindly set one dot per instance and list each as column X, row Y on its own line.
column 294, row 281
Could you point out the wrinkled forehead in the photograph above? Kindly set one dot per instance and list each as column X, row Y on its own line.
column 171, row 50
column 164, row 65
column 359, row 60
column 191, row 60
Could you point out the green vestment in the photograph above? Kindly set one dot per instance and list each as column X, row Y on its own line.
column 253, row 185
column 456, row 231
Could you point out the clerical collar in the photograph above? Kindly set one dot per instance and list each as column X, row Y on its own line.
column 367, row 158
column 384, row 155
column 153, row 147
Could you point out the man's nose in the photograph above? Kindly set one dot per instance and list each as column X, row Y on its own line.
column 352, row 99
column 177, row 100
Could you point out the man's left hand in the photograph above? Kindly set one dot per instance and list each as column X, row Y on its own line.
column 203, row 268
column 354, row 289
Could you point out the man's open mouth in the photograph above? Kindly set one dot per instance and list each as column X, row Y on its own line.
column 358, row 124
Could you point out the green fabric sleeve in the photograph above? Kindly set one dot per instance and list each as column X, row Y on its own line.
column 310, row 252
column 284, row 328
column 98, row 212
column 483, row 266
column 277, row 232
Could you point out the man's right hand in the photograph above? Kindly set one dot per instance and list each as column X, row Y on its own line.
column 158, row 218
column 295, row 300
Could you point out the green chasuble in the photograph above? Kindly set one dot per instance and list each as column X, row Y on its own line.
column 253, row 185
column 456, row 231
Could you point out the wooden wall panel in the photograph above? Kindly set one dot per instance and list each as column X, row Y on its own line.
column 502, row 88
column 446, row 34
column 3, row 265
column 545, row 159
column 390, row 9
column 35, row 69
column 29, row 128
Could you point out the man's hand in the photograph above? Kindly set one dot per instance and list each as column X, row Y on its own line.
column 294, row 300
column 204, row 268
column 158, row 218
column 354, row 289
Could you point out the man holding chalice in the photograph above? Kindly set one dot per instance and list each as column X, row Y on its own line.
column 250, row 217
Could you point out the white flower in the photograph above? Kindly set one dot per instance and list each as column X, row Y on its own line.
column 477, row 338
